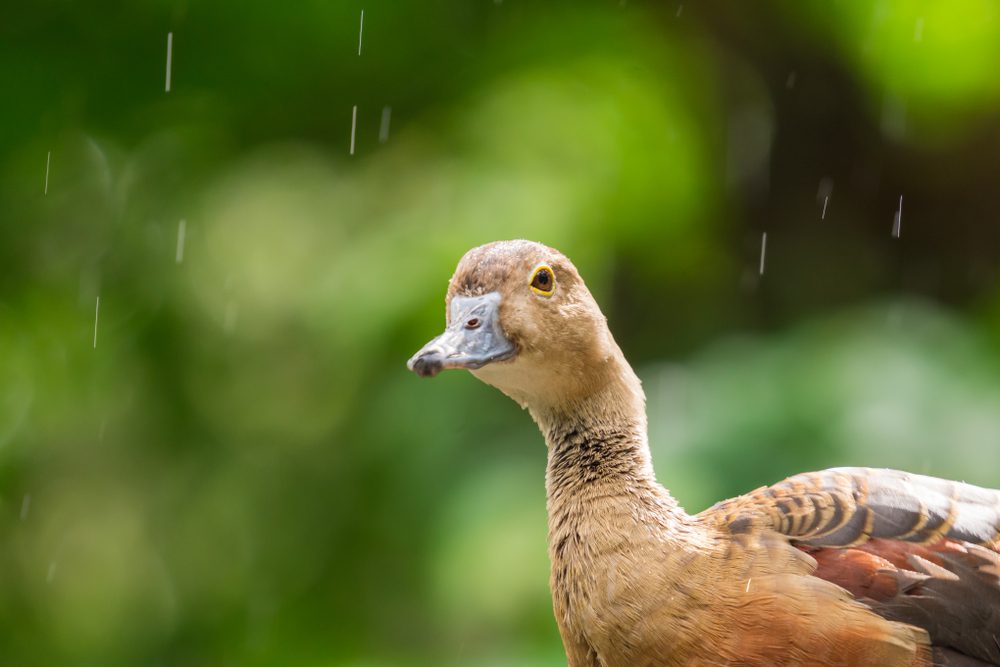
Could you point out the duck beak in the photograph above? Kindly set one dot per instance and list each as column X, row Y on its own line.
column 472, row 340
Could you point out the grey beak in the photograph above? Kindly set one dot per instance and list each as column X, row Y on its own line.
column 472, row 340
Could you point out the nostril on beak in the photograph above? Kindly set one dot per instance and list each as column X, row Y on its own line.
column 473, row 323
column 427, row 364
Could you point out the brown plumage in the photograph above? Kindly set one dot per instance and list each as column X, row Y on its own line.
column 849, row 566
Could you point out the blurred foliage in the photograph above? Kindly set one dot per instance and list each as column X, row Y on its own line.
column 241, row 471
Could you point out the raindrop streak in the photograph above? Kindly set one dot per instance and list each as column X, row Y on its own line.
column 897, row 221
column 170, row 51
column 97, row 312
column 763, row 251
column 25, row 506
column 680, row 10
column 361, row 30
column 824, row 192
column 354, row 125
column 790, row 81
column 48, row 161
column 383, row 128
column 52, row 572
column 181, row 229
column 918, row 30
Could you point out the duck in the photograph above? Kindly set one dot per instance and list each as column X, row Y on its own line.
column 852, row 567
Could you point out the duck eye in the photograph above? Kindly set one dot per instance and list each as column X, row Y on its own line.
column 542, row 281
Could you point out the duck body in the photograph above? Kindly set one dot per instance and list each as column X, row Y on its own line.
column 637, row 581
column 851, row 567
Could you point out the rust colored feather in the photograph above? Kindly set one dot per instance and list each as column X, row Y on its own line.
column 916, row 549
column 949, row 588
column 864, row 574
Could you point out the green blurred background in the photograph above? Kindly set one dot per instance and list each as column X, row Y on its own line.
column 242, row 472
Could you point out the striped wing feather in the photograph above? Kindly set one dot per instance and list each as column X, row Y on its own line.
column 916, row 549
column 842, row 507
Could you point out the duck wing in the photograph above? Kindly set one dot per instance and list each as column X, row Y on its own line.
column 916, row 549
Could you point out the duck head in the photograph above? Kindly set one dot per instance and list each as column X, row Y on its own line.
column 520, row 318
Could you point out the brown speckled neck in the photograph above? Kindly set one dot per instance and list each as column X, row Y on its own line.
column 599, row 467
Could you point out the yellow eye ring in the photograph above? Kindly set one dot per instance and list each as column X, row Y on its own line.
column 543, row 280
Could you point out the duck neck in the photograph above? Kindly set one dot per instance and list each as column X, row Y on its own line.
column 599, row 465
column 597, row 441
